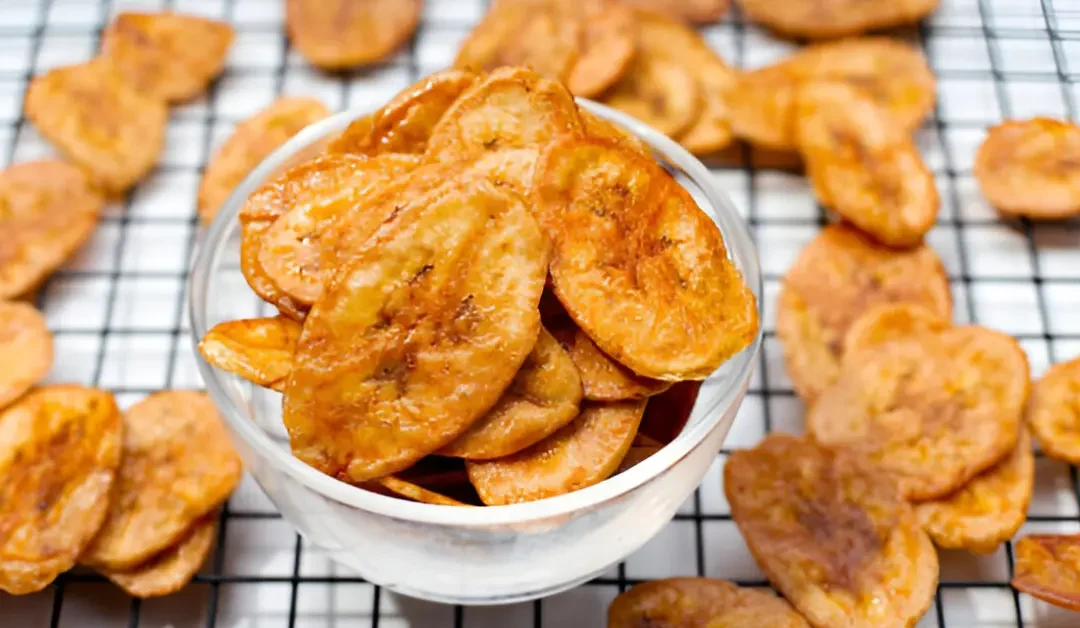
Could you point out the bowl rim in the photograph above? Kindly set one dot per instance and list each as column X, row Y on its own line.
column 721, row 210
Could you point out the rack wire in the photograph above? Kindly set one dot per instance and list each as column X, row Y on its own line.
column 118, row 310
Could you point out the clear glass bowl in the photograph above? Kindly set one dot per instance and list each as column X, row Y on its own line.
column 489, row 555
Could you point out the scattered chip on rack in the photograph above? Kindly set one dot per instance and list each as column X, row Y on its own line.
column 342, row 34
column 661, row 93
column 26, row 349
column 704, row 602
column 174, row 567
column 828, row 19
column 608, row 41
column 887, row 322
column 1053, row 413
column 258, row 349
column 693, row 11
column 1048, row 568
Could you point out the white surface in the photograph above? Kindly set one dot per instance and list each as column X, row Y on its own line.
column 116, row 306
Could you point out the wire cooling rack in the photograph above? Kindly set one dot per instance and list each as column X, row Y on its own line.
column 118, row 309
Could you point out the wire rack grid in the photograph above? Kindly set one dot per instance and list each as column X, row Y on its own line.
column 117, row 310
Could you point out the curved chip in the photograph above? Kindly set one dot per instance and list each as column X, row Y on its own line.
column 661, row 93
column 97, row 120
column 1053, row 413
column 251, row 142
column 584, row 452
column 630, row 244
column 1048, row 568
column 548, row 43
column 26, row 349
column 173, row 568
column 420, row 334
column 1031, row 168
column 934, row 410
column 597, row 127
column 178, row 465
column 49, row 210
column 989, row 509
column 829, row 19
column 602, row 378
column 167, row 56
column 483, row 49
column 608, row 42
column 258, row 349
column 887, row 322
column 839, row 275
column 686, row 602
column 342, row 34
column 832, row 533
column 416, row 493
column 543, row 397
column 59, row 450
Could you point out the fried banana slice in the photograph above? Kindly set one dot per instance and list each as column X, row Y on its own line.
column 484, row 49
column 173, row 568
column 260, row 350
column 26, row 349
column 862, row 166
column 699, row 602
column 935, row 410
column 663, row 94
column 167, row 56
column 416, row 493
column 543, row 397
column 989, row 509
column 607, row 45
column 832, row 533
column 597, row 127
column 95, row 118
column 1048, row 568
column 887, row 322
column 584, row 452
column 1031, row 168
column 59, row 450
column 692, row 11
column 1054, row 414
column 839, row 275
column 342, row 34
column 602, row 378
column 251, row 142
column 630, row 244
column 178, row 466
column 830, row 19
column 419, row 334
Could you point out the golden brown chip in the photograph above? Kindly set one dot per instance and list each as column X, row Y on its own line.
column 167, row 56
column 170, row 570
column 661, row 93
column 420, row 333
column 1031, row 168
column 258, row 349
column 862, row 166
column 416, row 493
column 251, row 142
column 608, row 42
column 888, row 322
column 1048, row 568
column 987, row 510
column 584, row 452
column 484, row 49
column 548, row 43
column 1054, row 414
column 832, row 533
column 514, row 167
column 59, row 450
column 97, row 120
column 602, row 378
column 693, row 11
column 543, row 397
column 630, row 244
column 26, row 349
column 828, row 19
column 838, row 276
column 47, row 210
column 341, row 34
column 597, row 127
column 178, row 465
column 699, row 602
column 935, row 410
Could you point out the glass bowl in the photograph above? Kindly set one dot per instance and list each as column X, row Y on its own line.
column 489, row 555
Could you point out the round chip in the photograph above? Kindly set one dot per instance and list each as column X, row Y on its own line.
column 59, row 449
column 935, row 410
column 178, row 465
column 584, row 452
column 1048, row 568
column 602, row 378
column 547, row 43
column 663, row 94
column 630, row 244
column 597, row 127
column 420, row 333
column 49, row 210
column 829, row 19
column 862, row 166
column 26, row 349
column 167, row 56
column 686, row 602
column 173, row 568
column 1031, row 168
column 693, row 11
column 342, row 34
column 99, row 121
column 839, row 275
column 832, row 533
column 258, row 349
column 1053, row 413
column 608, row 42
column 251, row 142
column 989, row 509
column 543, row 397
column 416, row 493
column 887, row 322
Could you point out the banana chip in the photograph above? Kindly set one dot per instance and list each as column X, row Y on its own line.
column 342, row 34
column 26, row 350
column 173, row 568
column 885, row 323
column 828, row 19
column 1053, row 413
column 603, row 378
column 260, row 350
column 416, row 493
column 674, row 602
column 1048, row 568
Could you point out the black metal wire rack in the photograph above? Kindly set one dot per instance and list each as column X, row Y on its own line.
column 118, row 310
